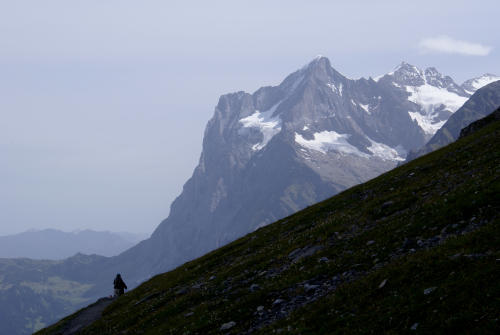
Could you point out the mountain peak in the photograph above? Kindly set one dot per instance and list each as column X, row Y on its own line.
column 408, row 74
column 437, row 79
column 321, row 69
column 403, row 72
column 319, row 58
column 319, row 62
column 474, row 84
column 406, row 67
column 433, row 72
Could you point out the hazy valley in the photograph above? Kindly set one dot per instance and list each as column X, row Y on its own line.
column 52, row 244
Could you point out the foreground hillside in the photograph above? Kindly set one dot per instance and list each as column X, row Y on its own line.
column 414, row 250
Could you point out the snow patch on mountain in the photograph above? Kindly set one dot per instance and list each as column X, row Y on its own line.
column 430, row 99
column 365, row 107
column 472, row 85
column 427, row 122
column 385, row 152
column 483, row 81
column 268, row 125
column 329, row 140
column 432, row 92
column 336, row 89
column 332, row 141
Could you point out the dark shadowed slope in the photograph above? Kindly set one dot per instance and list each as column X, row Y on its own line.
column 414, row 249
column 85, row 317
column 481, row 123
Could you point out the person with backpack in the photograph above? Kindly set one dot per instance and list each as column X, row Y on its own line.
column 119, row 285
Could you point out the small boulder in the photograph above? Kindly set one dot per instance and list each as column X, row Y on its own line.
column 278, row 301
column 228, row 325
column 309, row 287
column 387, row 204
column 254, row 287
column 181, row 291
column 307, row 251
column 429, row 290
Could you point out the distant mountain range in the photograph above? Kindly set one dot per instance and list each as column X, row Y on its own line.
column 56, row 244
column 265, row 156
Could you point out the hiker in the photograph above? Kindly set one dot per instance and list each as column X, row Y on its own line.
column 119, row 285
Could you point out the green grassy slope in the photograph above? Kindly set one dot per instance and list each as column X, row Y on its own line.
column 415, row 250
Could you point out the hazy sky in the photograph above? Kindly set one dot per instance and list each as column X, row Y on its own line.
column 103, row 103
